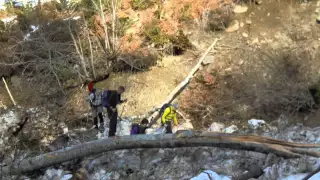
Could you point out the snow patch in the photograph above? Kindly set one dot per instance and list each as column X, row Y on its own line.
column 8, row 19
column 231, row 129
column 7, row 120
column 301, row 176
column 123, row 127
column 66, row 177
column 34, row 29
column 216, row 127
column 208, row 175
column 256, row 123
column 72, row 18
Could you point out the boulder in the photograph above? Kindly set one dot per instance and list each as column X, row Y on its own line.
column 216, row 127
column 240, row 9
column 208, row 60
column 234, row 26
column 254, row 124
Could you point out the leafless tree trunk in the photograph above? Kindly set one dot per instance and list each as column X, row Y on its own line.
column 79, row 52
column 180, row 139
column 155, row 116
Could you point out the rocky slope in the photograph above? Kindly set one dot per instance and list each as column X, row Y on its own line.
column 178, row 163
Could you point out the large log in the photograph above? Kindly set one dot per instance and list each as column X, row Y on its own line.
column 180, row 139
column 176, row 91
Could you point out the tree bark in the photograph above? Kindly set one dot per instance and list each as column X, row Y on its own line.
column 180, row 139
column 155, row 116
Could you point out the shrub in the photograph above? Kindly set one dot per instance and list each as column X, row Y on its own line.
column 154, row 34
column 185, row 13
column 171, row 44
column 218, row 19
column 142, row 4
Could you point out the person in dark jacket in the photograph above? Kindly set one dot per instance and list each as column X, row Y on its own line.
column 113, row 98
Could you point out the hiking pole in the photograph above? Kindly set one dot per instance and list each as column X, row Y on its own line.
column 119, row 116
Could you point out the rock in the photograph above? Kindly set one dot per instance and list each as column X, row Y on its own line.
column 240, row 9
column 282, row 122
column 270, row 160
column 208, row 60
column 150, row 131
column 256, row 123
column 255, row 41
column 231, row 129
column 241, row 24
column 248, row 21
column 318, row 3
column 318, row 19
column 258, row 2
column 245, row 35
column 234, row 26
column 185, row 126
column 317, row 10
column 52, row 174
column 216, row 127
column 209, row 175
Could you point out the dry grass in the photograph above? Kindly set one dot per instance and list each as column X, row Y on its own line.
column 144, row 90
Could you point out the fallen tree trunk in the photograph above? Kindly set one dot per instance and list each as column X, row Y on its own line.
column 155, row 116
column 181, row 139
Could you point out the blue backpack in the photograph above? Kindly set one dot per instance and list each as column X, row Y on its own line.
column 105, row 96
column 134, row 129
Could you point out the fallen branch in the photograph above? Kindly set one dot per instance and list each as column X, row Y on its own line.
column 9, row 92
column 180, row 139
column 155, row 116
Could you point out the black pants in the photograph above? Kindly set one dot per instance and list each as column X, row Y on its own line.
column 169, row 127
column 95, row 120
column 113, row 122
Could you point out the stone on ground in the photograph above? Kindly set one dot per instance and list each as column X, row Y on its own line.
column 234, row 26
column 240, row 9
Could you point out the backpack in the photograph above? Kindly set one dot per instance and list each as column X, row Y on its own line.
column 163, row 108
column 95, row 101
column 105, row 96
column 134, row 129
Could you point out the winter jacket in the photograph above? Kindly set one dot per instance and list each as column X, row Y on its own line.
column 169, row 115
column 113, row 99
